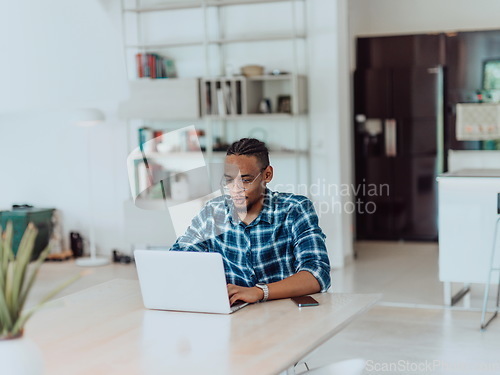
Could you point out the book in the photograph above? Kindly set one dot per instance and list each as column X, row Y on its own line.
column 233, row 88
column 145, row 64
column 140, row 67
column 159, row 67
column 226, row 89
column 152, row 65
column 145, row 134
column 221, row 105
column 208, row 98
column 170, row 69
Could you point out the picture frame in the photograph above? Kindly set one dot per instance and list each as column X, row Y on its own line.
column 284, row 104
column 491, row 74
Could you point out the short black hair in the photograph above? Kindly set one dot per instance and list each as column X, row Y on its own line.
column 251, row 147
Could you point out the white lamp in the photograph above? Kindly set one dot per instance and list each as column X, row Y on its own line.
column 88, row 118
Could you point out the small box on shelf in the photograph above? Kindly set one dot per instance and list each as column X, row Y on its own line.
column 162, row 99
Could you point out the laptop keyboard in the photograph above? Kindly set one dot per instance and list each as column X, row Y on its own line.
column 238, row 305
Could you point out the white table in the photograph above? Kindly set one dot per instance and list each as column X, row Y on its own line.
column 467, row 216
column 106, row 330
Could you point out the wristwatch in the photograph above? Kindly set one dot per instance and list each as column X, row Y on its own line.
column 265, row 289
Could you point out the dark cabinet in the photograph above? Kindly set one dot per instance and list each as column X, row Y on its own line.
column 400, row 51
column 407, row 87
column 396, row 151
column 20, row 218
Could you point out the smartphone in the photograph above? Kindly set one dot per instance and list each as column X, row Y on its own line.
column 305, row 301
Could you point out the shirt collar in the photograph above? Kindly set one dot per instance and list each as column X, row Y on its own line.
column 266, row 214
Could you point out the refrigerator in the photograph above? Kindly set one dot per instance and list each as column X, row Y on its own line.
column 399, row 152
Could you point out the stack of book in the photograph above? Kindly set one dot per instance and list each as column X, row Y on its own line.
column 223, row 97
column 152, row 65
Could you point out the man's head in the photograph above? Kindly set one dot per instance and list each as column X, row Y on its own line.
column 247, row 172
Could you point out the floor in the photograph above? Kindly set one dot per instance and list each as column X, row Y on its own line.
column 408, row 332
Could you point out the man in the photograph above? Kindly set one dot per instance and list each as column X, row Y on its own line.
column 271, row 243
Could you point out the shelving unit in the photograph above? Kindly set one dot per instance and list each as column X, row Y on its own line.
column 198, row 4
column 215, row 154
column 151, row 100
column 262, row 38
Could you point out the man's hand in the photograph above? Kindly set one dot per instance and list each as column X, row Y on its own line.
column 241, row 293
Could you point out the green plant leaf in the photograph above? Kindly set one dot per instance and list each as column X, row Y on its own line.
column 23, row 258
column 7, row 254
column 18, row 326
column 16, row 280
column 8, row 287
column 31, row 280
column 2, row 273
column 5, row 317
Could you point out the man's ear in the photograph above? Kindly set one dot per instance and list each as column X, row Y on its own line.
column 268, row 174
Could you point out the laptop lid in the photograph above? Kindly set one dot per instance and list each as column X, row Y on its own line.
column 182, row 281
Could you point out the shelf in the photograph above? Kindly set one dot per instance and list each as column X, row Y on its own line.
column 265, row 77
column 170, row 155
column 217, row 154
column 272, row 154
column 222, row 3
column 262, row 38
column 252, row 116
column 152, row 99
column 199, row 4
column 271, row 77
column 171, row 6
column 165, row 45
column 281, row 154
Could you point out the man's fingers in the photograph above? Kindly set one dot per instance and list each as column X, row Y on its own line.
column 233, row 299
column 231, row 289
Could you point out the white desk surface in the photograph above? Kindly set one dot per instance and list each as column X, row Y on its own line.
column 106, row 330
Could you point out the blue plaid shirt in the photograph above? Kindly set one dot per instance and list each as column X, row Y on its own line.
column 284, row 239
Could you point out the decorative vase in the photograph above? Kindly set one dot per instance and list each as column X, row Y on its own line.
column 20, row 356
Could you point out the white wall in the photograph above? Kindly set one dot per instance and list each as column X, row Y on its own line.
column 330, row 118
column 44, row 156
column 44, row 163
column 63, row 61
column 385, row 17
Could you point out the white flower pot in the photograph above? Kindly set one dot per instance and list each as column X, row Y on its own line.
column 20, row 356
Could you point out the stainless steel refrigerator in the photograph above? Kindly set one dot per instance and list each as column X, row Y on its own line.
column 398, row 151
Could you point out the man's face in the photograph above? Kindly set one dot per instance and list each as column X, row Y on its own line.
column 245, row 180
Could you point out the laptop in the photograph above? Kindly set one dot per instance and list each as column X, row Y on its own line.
column 183, row 281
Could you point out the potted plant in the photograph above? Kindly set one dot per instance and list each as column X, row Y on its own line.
column 17, row 354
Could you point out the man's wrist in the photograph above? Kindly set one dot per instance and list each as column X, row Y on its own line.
column 260, row 294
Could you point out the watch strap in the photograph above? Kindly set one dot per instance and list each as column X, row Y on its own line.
column 265, row 289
